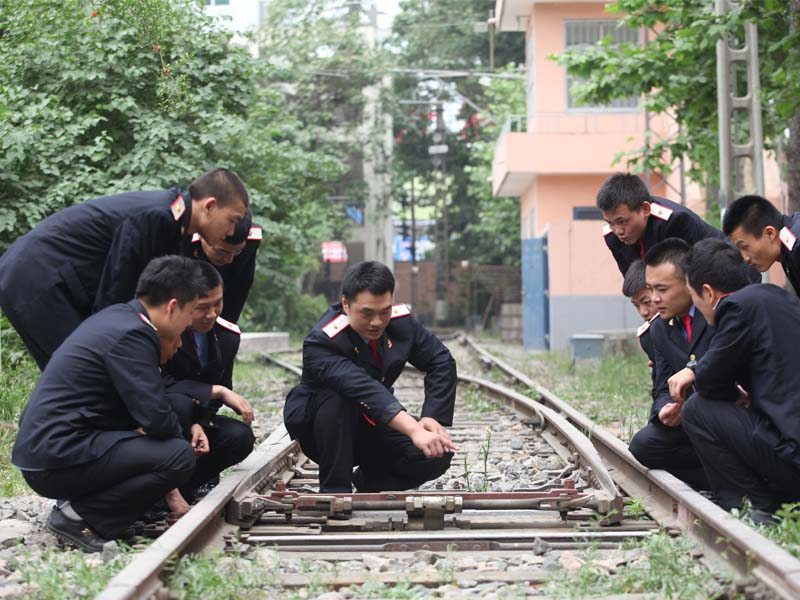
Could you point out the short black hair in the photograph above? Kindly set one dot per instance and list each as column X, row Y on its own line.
column 752, row 214
column 222, row 184
column 242, row 229
column 369, row 276
column 671, row 250
column 622, row 188
column 634, row 280
column 169, row 277
column 209, row 276
column 718, row 264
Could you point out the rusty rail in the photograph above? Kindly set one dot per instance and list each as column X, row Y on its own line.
column 673, row 503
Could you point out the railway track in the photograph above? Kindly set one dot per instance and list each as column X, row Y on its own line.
column 534, row 476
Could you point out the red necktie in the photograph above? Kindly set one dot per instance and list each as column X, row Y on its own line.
column 373, row 345
column 641, row 248
column 687, row 325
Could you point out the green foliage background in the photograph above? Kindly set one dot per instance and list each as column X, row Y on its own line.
column 431, row 35
column 113, row 95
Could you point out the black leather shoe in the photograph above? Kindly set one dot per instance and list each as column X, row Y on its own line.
column 74, row 533
column 761, row 517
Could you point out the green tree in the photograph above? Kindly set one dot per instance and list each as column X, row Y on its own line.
column 675, row 74
column 319, row 55
column 112, row 95
column 441, row 35
column 494, row 235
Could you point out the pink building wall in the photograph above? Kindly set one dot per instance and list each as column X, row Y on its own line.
column 559, row 162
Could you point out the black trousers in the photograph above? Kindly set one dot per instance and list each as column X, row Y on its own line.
column 40, row 328
column 738, row 463
column 339, row 438
column 113, row 491
column 657, row 446
column 230, row 441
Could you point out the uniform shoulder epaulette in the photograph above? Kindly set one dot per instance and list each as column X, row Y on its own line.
column 228, row 325
column 607, row 229
column 148, row 321
column 788, row 239
column 177, row 208
column 255, row 233
column 400, row 310
column 336, row 326
column 195, row 238
column 644, row 327
column 660, row 212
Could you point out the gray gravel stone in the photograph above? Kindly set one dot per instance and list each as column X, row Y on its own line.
column 110, row 550
column 540, row 547
column 13, row 531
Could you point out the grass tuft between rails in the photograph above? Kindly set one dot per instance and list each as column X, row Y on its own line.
column 615, row 393
column 57, row 574
column 661, row 565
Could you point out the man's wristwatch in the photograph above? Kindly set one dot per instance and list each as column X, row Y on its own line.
column 692, row 364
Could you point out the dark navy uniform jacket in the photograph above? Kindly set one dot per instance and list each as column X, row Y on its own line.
column 184, row 374
column 101, row 384
column 667, row 219
column 790, row 249
column 85, row 258
column 336, row 357
column 645, row 339
column 755, row 345
column 237, row 276
column 97, row 249
column 671, row 353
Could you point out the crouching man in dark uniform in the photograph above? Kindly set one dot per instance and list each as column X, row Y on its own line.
column 199, row 380
column 750, row 449
column 637, row 221
column 98, row 430
column 634, row 286
column 344, row 412
column 679, row 335
column 89, row 256
column 235, row 259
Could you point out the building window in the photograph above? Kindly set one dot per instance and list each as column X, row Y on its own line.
column 586, row 213
column 586, row 33
column 217, row 2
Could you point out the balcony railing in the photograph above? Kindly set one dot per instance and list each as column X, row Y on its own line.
column 575, row 123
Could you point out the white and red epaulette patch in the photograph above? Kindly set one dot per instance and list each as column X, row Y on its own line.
column 195, row 238
column 229, row 326
column 400, row 310
column 336, row 326
column 788, row 239
column 645, row 326
column 177, row 208
column 607, row 229
column 660, row 212
column 148, row 321
column 255, row 233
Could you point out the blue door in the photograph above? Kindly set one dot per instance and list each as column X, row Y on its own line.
column 535, row 295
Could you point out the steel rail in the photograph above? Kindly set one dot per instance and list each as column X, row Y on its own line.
column 141, row 578
column 673, row 503
column 608, row 500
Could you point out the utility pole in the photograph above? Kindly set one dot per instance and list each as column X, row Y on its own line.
column 438, row 151
column 414, row 267
column 734, row 152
